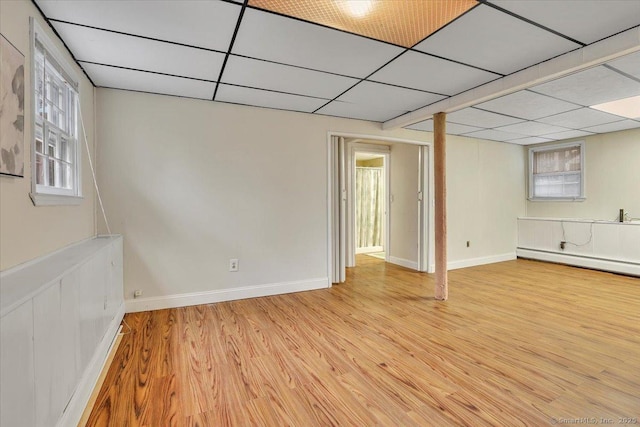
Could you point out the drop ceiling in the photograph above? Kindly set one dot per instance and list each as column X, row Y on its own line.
column 229, row 51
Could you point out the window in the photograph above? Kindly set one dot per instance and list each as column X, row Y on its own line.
column 55, row 163
column 556, row 172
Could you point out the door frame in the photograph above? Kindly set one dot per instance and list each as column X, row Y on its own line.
column 426, row 240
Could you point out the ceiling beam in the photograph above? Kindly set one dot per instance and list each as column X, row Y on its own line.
column 580, row 59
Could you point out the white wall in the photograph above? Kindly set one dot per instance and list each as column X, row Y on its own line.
column 485, row 195
column 26, row 231
column 612, row 180
column 192, row 184
column 404, row 207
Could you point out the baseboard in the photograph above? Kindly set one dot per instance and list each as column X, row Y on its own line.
column 403, row 262
column 632, row 269
column 471, row 262
column 208, row 297
column 74, row 410
column 103, row 374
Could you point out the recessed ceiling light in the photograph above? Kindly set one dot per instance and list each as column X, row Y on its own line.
column 626, row 107
column 357, row 8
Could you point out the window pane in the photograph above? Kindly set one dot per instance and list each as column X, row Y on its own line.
column 63, row 149
column 68, row 177
column 40, row 169
column 51, row 181
column 561, row 160
column 39, row 81
column 52, row 143
column 39, row 140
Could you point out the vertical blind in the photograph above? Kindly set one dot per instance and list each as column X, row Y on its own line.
column 557, row 172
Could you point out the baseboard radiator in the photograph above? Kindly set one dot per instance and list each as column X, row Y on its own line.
column 601, row 245
column 59, row 317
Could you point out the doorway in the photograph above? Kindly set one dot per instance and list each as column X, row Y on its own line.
column 370, row 203
column 344, row 153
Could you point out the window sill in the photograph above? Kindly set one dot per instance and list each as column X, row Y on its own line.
column 556, row 199
column 43, row 199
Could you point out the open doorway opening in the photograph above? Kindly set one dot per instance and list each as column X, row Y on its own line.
column 402, row 231
column 370, row 197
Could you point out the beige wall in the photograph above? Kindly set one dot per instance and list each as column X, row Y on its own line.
column 27, row 232
column 192, row 184
column 612, row 180
column 485, row 195
column 404, row 207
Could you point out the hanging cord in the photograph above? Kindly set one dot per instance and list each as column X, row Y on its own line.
column 93, row 172
column 564, row 238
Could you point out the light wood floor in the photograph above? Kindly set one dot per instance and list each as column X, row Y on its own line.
column 517, row 343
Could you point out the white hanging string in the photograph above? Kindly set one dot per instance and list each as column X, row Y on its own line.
column 93, row 172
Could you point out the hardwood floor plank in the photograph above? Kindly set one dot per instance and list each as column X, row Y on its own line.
column 516, row 343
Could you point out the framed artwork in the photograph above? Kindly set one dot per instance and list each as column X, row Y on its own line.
column 12, row 81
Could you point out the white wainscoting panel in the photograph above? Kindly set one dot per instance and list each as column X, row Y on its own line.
column 605, row 245
column 59, row 316
column 17, row 394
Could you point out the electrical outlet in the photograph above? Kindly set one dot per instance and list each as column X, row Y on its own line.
column 468, row 243
column 234, row 264
column 563, row 245
column 137, row 293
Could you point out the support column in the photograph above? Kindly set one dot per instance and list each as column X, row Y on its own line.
column 440, row 166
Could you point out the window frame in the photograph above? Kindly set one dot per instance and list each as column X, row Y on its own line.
column 552, row 147
column 42, row 195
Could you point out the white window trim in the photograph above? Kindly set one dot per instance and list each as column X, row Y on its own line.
column 42, row 195
column 549, row 147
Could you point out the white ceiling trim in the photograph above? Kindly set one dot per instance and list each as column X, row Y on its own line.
column 597, row 53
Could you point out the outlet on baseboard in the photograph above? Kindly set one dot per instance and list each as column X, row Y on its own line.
column 137, row 293
column 234, row 264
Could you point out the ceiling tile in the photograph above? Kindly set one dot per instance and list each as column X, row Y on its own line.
column 119, row 78
column 208, row 24
column 529, row 140
column 590, row 20
column 494, row 135
column 425, row 72
column 452, row 128
column 109, row 48
column 629, row 64
column 527, row 105
column 480, row 118
column 284, row 78
column 578, row 119
column 350, row 110
column 277, row 38
column 263, row 98
column 495, row 41
column 567, row 135
column 386, row 96
column 590, row 87
column 457, row 129
column 614, row 127
column 532, row 128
